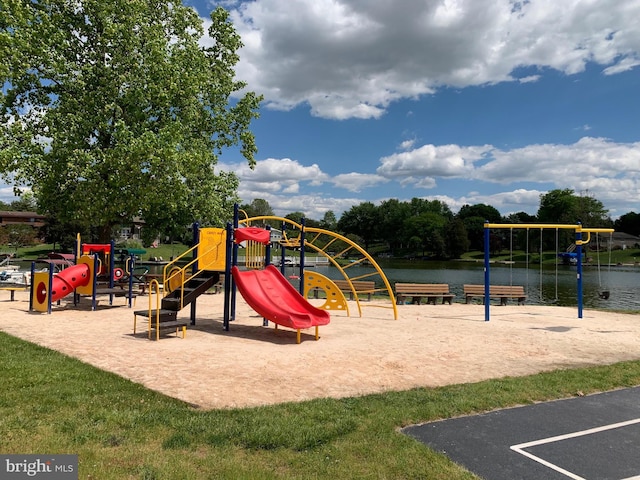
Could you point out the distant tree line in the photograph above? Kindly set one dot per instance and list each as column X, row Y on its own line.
column 429, row 229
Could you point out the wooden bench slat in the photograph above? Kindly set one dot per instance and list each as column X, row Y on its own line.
column 361, row 286
column 419, row 290
column 502, row 292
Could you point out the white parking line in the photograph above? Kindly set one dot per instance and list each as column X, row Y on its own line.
column 521, row 446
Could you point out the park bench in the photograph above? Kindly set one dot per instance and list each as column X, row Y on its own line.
column 418, row 290
column 13, row 291
column 502, row 292
column 360, row 286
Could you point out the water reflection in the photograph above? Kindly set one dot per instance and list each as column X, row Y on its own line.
column 549, row 286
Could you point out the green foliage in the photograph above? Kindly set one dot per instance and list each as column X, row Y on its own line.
column 564, row 206
column 361, row 220
column 18, row 235
column 628, row 223
column 258, row 207
column 114, row 110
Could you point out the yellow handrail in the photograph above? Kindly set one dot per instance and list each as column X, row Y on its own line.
column 181, row 271
column 152, row 284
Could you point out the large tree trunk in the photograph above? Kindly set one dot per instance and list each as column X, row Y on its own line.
column 104, row 233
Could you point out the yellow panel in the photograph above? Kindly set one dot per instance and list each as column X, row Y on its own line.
column 87, row 289
column 335, row 299
column 212, row 248
column 40, row 292
column 174, row 279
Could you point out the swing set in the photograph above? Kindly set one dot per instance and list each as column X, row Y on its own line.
column 578, row 230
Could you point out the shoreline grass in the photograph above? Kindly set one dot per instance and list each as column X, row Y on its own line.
column 52, row 403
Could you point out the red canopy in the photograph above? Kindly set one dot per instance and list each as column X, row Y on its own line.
column 256, row 234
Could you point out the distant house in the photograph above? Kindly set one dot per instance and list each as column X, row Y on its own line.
column 22, row 218
column 622, row 240
column 131, row 231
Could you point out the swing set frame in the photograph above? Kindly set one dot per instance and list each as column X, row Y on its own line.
column 578, row 230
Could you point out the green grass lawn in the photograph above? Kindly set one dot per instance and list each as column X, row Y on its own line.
column 51, row 403
column 165, row 251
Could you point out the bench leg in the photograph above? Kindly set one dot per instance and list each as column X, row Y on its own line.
column 431, row 300
column 503, row 301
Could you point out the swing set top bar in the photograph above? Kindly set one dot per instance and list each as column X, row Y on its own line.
column 578, row 228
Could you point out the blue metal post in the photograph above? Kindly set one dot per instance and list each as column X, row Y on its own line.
column 234, row 260
column 32, row 286
column 50, row 287
column 267, row 253
column 227, row 277
column 283, row 251
column 195, row 268
column 131, row 262
column 112, row 266
column 487, row 279
column 302, row 232
column 94, row 302
column 579, row 271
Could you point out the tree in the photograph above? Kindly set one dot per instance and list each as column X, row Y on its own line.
column 393, row 215
column 565, row 207
column 629, row 223
column 258, row 207
column 456, row 238
column 360, row 220
column 113, row 109
column 474, row 218
column 429, row 227
column 486, row 212
column 329, row 221
column 295, row 217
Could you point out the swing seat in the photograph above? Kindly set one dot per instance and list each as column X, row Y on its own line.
column 604, row 294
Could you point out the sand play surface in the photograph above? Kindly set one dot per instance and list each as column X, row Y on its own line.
column 429, row 345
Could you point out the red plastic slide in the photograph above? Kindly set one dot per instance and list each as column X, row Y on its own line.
column 270, row 294
column 68, row 280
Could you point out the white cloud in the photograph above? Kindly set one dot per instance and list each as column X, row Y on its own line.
column 529, row 79
column 356, row 182
column 431, row 160
column 610, row 171
column 407, row 144
column 277, row 171
column 351, row 59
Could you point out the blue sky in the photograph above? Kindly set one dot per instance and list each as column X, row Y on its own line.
column 465, row 101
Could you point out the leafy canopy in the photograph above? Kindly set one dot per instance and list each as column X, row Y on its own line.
column 112, row 109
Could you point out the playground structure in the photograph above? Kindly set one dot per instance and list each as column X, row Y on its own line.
column 262, row 285
column 578, row 230
column 94, row 273
column 333, row 247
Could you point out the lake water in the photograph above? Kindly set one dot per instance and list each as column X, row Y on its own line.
column 549, row 287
